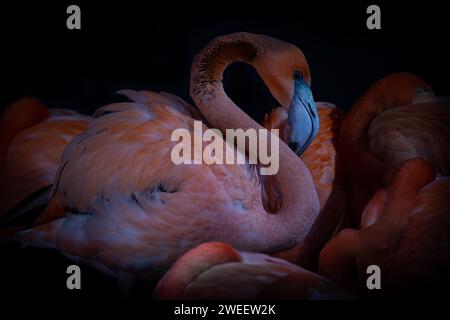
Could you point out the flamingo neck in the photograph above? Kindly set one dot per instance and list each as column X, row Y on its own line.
column 207, row 86
column 363, row 168
column 394, row 90
column 300, row 201
column 375, row 101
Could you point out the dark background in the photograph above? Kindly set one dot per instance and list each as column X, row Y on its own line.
column 131, row 45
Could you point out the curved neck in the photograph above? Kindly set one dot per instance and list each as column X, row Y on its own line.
column 392, row 91
column 359, row 162
column 375, row 101
column 300, row 201
column 206, row 82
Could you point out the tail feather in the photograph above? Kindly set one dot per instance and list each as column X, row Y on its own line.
column 43, row 236
column 28, row 210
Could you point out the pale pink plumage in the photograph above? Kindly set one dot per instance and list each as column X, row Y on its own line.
column 130, row 211
column 117, row 182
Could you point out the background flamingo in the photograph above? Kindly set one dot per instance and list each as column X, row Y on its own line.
column 131, row 211
column 218, row 271
column 33, row 140
column 405, row 232
column 404, row 227
column 322, row 160
column 391, row 123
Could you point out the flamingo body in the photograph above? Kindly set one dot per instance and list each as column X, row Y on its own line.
column 112, row 201
column 130, row 211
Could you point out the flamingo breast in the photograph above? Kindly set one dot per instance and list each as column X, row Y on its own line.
column 321, row 156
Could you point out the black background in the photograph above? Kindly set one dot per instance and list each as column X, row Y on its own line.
column 132, row 45
column 144, row 46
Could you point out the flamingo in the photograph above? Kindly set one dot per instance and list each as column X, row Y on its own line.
column 33, row 138
column 322, row 160
column 396, row 139
column 130, row 212
column 216, row 270
column 405, row 231
column 397, row 119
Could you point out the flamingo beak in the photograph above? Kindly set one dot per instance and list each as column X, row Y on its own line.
column 302, row 116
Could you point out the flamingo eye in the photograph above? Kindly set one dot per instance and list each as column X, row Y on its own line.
column 298, row 75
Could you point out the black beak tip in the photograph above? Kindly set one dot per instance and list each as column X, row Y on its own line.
column 295, row 146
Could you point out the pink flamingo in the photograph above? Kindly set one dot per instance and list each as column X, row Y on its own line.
column 405, row 231
column 397, row 119
column 33, row 139
column 218, row 271
column 394, row 142
column 130, row 211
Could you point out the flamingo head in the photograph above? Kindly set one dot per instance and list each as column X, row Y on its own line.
column 284, row 69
